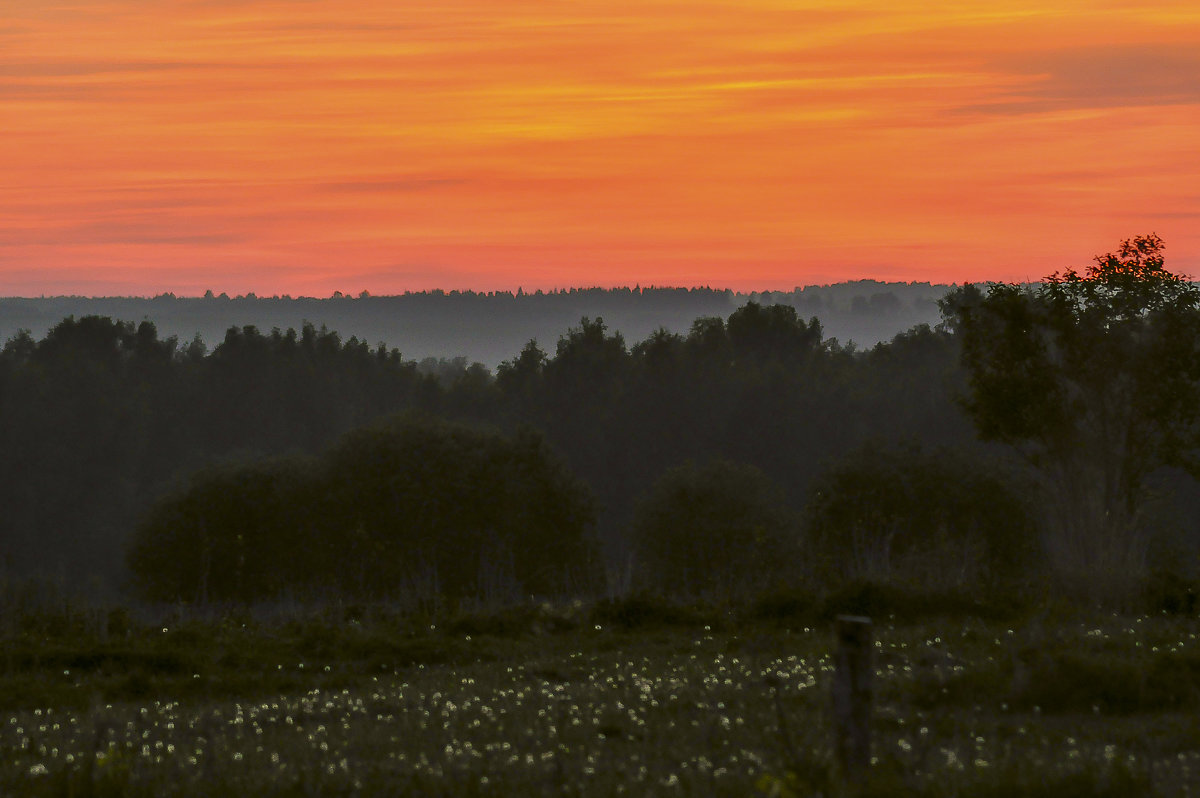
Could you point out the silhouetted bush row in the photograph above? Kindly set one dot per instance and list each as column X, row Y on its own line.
column 415, row 509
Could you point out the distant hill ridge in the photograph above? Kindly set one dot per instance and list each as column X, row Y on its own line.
column 490, row 327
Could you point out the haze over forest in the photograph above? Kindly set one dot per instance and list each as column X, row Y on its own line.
column 491, row 327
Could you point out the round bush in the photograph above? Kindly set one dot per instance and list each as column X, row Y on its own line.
column 935, row 519
column 720, row 529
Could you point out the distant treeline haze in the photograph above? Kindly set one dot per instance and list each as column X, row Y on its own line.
column 490, row 327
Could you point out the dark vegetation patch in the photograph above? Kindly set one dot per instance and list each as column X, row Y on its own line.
column 891, row 602
column 520, row 620
column 1060, row 680
column 906, row 604
column 643, row 612
column 785, row 607
column 1079, row 681
column 1171, row 593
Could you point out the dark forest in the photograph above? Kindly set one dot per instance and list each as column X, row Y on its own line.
column 751, row 453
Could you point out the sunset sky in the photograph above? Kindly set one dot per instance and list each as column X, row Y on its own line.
column 300, row 148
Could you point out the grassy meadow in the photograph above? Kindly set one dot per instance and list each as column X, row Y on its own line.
column 634, row 697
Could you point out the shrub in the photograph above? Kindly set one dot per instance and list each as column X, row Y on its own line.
column 718, row 529
column 407, row 508
column 939, row 519
column 236, row 532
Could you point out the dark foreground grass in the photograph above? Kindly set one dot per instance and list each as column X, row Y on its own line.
column 635, row 698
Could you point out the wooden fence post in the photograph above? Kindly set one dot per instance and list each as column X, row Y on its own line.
column 852, row 696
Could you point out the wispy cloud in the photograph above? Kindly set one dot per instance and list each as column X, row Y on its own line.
column 1098, row 77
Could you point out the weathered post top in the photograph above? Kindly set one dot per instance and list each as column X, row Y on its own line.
column 852, row 627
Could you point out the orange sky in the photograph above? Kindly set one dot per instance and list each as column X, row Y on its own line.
column 307, row 147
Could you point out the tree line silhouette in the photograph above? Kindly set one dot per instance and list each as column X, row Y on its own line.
column 749, row 453
column 101, row 417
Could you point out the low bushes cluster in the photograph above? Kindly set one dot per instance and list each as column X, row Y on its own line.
column 942, row 519
column 412, row 509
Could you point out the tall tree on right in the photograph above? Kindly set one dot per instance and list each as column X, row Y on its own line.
column 1095, row 379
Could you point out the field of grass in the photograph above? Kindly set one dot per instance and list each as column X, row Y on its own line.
column 634, row 698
